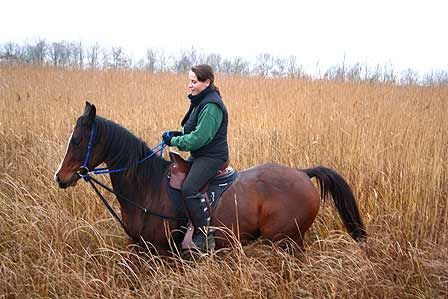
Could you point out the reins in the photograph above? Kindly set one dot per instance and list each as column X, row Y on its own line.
column 106, row 170
column 85, row 173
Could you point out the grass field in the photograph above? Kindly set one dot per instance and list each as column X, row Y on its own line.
column 389, row 142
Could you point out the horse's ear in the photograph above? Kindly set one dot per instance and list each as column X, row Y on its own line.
column 89, row 114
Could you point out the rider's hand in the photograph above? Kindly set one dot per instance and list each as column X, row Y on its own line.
column 166, row 137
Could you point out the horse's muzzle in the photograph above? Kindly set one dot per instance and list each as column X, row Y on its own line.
column 65, row 184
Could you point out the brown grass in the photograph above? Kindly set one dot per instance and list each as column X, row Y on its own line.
column 389, row 142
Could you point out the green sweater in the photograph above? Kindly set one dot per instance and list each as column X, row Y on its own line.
column 209, row 121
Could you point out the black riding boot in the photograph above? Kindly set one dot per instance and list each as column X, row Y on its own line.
column 200, row 217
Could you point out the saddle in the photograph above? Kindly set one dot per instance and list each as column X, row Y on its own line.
column 180, row 168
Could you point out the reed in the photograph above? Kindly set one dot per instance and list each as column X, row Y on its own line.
column 389, row 142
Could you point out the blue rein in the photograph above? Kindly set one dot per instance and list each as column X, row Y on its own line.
column 105, row 170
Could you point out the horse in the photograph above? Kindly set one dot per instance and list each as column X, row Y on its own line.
column 271, row 201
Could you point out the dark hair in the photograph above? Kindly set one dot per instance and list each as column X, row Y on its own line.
column 204, row 72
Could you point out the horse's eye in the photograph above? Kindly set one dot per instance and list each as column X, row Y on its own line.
column 75, row 141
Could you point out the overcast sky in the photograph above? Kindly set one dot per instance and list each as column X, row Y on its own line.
column 405, row 34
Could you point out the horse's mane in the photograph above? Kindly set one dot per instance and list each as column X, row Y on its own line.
column 124, row 149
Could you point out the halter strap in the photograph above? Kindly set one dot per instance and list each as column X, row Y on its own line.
column 89, row 147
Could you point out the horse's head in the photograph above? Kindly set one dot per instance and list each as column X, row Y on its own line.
column 77, row 152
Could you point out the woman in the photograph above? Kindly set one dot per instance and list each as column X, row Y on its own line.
column 204, row 135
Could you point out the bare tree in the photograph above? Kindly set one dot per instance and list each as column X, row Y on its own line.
column 214, row 60
column 389, row 75
column 374, row 75
column 226, row 66
column 76, row 54
column 92, row 54
column 187, row 59
column 119, row 58
column 442, row 77
column 183, row 64
column 237, row 66
column 354, row 73
column 264, row 64
column 59, row 54
column 162, row 62
column 11, row 53
column 280, row 67
column 409, row 77
column 9, row 50
column 36, row 54
column 240, row 66
column 435, row 78
column 150, row 62
column 293, row 69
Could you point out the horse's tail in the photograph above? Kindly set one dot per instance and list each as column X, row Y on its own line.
column 332, row 182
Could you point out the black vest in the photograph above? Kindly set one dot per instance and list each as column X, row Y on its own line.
column 217, row 147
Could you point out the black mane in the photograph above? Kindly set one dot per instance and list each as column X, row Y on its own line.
column 124, row 149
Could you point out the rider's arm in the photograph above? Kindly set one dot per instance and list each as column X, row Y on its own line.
column 209, row 121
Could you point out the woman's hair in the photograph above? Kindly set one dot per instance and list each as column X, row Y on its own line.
column 204, row 72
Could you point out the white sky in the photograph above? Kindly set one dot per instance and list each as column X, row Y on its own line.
column 402, row 33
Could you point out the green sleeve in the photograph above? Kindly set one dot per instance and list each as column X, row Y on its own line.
column 209, row 121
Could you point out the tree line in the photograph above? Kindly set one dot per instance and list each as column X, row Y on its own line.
column 74, row 54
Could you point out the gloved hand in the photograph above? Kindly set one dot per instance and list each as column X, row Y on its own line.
column 166, row 137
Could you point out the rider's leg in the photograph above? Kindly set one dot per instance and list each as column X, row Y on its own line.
column 202, row 170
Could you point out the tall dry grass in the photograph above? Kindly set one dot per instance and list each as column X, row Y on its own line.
column 389, row 142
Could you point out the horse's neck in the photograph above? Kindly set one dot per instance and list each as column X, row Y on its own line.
column 134, row 188
column 120, row 156
column 141, row 188
column 121, row 184
column 126, row 186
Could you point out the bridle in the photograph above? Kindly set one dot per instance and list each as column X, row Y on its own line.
column 83, row 170
column 85, row 173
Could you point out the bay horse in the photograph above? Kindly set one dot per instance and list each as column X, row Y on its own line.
column 271, row 201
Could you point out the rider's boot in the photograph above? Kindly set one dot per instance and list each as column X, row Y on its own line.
column 203, row 235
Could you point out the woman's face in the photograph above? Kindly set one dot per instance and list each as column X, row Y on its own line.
column 196, row 86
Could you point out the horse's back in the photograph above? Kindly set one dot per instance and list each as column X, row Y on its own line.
column 269, row 200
